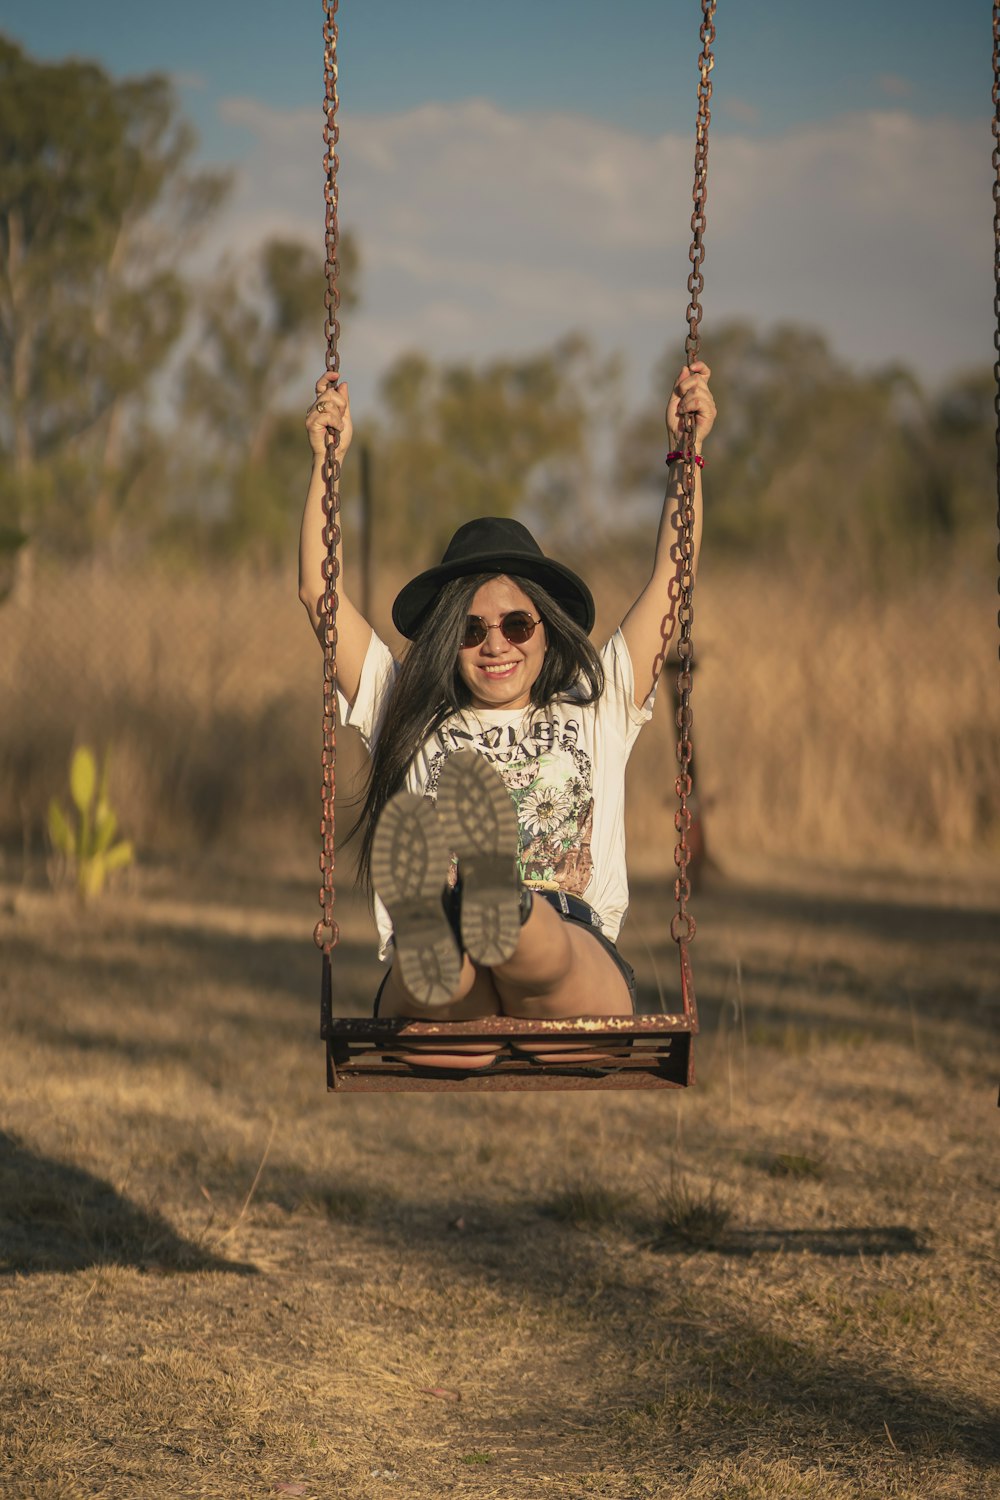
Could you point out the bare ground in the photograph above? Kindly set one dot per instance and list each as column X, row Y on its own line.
column 783, row 1282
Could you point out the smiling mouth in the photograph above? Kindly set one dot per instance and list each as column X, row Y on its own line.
column 501, row 670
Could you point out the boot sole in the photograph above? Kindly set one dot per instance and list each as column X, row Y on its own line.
column 410, row 859
column 480, row 827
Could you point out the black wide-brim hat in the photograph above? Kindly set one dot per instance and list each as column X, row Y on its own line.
column 492, row 544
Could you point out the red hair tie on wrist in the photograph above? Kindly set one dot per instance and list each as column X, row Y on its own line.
column 673, row 457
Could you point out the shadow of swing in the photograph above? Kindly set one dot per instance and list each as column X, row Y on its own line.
column 884, row 1239
column 58, row 1217
column 700, row 1349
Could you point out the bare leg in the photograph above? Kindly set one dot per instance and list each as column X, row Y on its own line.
column 476, row 996
column 559, row 970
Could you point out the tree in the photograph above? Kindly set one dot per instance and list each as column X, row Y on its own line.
column 964, row 463
column 812, row 457
column 512, row 436
column 96, row 198
column 257, row 319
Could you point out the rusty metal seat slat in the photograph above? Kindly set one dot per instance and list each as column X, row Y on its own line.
column 646, row 1051
column 363, row 1057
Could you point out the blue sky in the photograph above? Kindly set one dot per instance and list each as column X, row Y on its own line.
column 785, row 61
column 512, row 171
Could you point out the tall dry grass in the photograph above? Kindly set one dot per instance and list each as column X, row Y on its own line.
column 846, row 726
column 831, row 724
column 203, row 688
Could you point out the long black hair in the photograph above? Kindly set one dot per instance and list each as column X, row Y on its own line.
column 429, row 688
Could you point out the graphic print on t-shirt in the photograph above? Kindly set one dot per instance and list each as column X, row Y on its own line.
column 550, row 779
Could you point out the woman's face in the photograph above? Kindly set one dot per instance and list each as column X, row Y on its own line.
column 498, row 673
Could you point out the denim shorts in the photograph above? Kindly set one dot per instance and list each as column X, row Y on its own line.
column 573, row 910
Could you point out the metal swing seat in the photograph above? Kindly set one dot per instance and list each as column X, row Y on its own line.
column 642, row 1052
column 637, row 1052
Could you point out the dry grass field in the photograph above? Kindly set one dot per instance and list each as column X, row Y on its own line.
column 216, row 1280
column 857, row 727
column 219, row 1281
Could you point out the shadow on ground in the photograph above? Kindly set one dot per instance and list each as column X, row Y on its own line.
column 58, row 1217
column 873, row 1239
column 729, row 1365
column 955, row 979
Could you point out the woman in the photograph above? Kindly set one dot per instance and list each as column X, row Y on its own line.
column 504, row 714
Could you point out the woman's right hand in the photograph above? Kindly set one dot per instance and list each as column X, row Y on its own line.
column 331, row 409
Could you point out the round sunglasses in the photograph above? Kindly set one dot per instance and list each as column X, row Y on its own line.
column 517, row 626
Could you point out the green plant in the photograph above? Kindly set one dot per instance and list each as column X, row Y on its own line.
column 11, row 541
column 795, row 1164
column 88, row 843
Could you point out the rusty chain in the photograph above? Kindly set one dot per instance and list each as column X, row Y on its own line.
column 996, row 250
column 682, row 925
column 327, row 933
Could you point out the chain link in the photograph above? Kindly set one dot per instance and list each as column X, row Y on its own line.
column 996, row 250
column 327, row 933
column 682, row 926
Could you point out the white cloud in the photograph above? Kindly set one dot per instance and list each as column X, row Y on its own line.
column 740, row 109
column 483, row 231
column 893, row 86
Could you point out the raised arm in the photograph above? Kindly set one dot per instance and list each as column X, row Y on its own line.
column 651, row 622
column 331, row 409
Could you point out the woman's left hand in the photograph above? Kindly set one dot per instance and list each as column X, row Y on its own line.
column 330, row 410
column 691, row 394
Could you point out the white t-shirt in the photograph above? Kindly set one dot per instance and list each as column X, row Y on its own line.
column 564, row 766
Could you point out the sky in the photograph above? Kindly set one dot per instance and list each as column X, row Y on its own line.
column 512, row 172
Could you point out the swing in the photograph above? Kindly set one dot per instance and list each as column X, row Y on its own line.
column 641, row 1051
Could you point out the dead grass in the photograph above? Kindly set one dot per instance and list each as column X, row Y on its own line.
column 476, row 1297
column 590, row 1205
column 690, row 1216
column 850, row 727
column 831, row 725
column 215, row 1281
